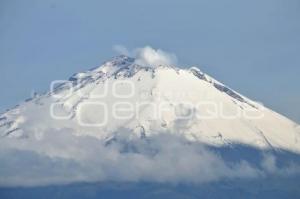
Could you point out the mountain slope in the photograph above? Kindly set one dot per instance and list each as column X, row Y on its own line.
column 148, row 100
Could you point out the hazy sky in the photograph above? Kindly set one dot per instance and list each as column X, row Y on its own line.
column 252, row 46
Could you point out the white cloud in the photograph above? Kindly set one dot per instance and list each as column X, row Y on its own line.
column 269, row 164
column 152, row 57
column 148, row 56
column 61, row 157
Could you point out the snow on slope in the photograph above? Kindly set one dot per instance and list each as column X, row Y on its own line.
column 149, row 100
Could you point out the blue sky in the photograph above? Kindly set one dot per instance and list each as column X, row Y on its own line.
column 252, row 46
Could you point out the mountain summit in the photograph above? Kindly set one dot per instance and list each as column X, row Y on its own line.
column 124, row 95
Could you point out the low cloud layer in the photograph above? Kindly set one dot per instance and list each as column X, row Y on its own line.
column 61, row 157
column 148, row 56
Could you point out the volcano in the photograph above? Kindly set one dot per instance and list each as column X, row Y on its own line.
column 147, row 100
column 148, row 129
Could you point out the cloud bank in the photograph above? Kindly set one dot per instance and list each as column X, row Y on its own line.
column 148, row 56
column 61, row 157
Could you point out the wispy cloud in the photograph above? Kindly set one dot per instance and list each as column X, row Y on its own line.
column 148, row 56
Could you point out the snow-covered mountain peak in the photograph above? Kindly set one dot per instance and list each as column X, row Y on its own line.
column 108, row 68
column 121, row 65
column 160, row 96
column 120, row 61
column 123, row 61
